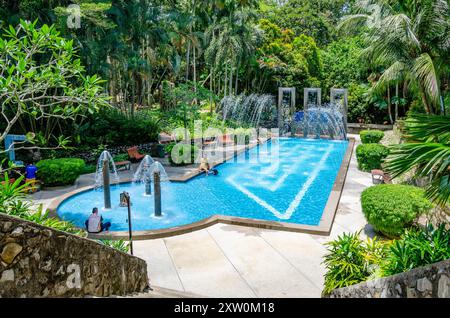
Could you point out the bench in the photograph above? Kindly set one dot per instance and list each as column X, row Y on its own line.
column 123, row 165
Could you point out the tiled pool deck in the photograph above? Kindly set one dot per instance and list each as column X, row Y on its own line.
column 235, row 261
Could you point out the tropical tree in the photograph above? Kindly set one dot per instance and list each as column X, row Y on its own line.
column 42, row 82
column 426, row 152
column 410, row 38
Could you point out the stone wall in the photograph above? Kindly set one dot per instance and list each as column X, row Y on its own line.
column 428, row 281
column 37, row 261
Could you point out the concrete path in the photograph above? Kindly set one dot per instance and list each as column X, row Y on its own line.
column 234, row 261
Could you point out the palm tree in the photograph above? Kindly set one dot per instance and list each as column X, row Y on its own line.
column 427, row 152
column 231, row 41
column 410, row 37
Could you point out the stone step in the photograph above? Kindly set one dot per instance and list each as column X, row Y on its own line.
column 160, row 292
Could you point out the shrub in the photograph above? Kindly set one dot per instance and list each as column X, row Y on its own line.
column 182, row 154
column 390, row 208
column 119, row 245
column 114, row 128
column 351, row 260
column 89, row 169
column 63, row 171
column 371, row 136
column 418, row 247
column 370, row 156
column 121, row 157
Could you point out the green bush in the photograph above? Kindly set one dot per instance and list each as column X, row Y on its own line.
column 113, row 128
column 181, row 157
column 390, row 208
column 371, row 136
column 57, row 172
column 121, row 157
column 370, row 156
column 417, row 247
column 119, row 245
column 351, row 260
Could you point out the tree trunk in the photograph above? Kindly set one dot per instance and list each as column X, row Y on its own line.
column 424, row 99
column 211, row 90
column 188, row 53
column 195, row 75
column 389, row 105
column 397, row 101
column 225, row 92
column 231, row 80
column 236, row 83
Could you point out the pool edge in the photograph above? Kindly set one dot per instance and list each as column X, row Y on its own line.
column 324, row 227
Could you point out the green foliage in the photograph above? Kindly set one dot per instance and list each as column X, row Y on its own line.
column 351, row 260
column 286, row 59
column 43, row 82
column 58, row 172
column 371, row 136
column 11, row 203
column 91, row 168
column 370, row 156
column 358, row 103
column 182, row 154
column 426, row 152
column 121, row 157
column 114, row 128
column 119, row 245
column 418, row 247
column 343, row 64
column 390, row 208
column 404, row 45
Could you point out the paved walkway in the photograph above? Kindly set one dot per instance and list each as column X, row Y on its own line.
column 235, row 261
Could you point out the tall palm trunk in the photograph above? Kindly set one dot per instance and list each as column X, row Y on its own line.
column 188, row 53
column 225, row 81
column 396, row 102
column 389, row 104
column 236, row 82
column 231, row 80
column 194, row 74
column 424, row 99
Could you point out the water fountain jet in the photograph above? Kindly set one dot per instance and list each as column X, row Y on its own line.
column 105, row 168
column 144, row 173
column 158, row 174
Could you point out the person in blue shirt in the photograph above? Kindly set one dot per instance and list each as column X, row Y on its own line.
column 30, row 175
column 30, row 171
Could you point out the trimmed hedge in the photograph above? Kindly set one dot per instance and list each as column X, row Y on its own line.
column 371, row 136
column 181, row 154
column 390, row 208
column 62, row 171
column 370, row 156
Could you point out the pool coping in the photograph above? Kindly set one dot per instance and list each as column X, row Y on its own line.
column 324, row 227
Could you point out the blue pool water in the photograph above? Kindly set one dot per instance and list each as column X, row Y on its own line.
column 286, row 179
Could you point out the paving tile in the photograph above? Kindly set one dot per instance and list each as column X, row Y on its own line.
column 203, row 268
column 266, row 271
column 160, row 268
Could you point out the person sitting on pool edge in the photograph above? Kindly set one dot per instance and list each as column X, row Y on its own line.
column 95, row 223
column 204, row 166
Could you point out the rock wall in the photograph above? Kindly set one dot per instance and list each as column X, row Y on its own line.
column 428, row 281
column 37, row 261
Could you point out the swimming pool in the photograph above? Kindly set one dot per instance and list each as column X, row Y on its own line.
column 286, row 180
